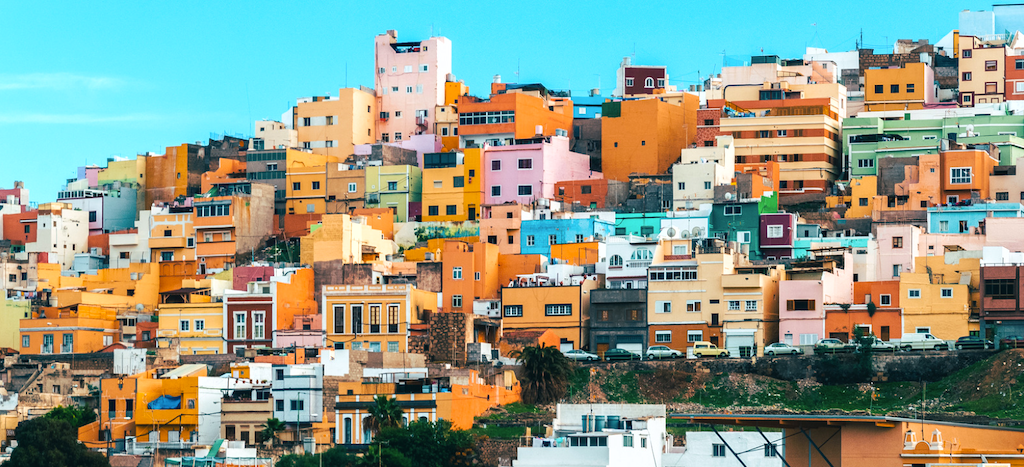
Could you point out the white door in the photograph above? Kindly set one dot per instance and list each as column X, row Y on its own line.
column 154, row 436
column 173, row 436
column 636, row 348
column 739, row 345
column 565, row 346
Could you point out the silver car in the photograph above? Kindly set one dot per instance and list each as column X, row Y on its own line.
column 662, row 351
column 782, row 348
column 580, row 355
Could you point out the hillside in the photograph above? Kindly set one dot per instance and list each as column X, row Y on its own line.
column 990, row 389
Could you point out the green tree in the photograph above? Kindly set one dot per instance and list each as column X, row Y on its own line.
column 51, row 442
column 430, row 444
column 384, row 413
column 76, row 416
column 272, row 430
column 545, row 374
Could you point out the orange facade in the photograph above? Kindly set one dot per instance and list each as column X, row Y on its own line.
column 470, row 273
column 511, row 266
column 577, row 254
column 530, row 112
column 956, row 182
column 646, row 137
column 501, row 226
column 592, row 193
column 379, row 218
column 295, row 298
column 167, row 175
column 86, row 330
column 21, row 228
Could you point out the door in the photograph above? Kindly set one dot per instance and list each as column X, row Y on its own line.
column 601, row 349
column 472, row 212
column 884, row 333
column 739, row 345
column 565, row 346
column 636, row 348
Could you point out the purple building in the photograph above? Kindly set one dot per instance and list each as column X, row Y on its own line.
column 778, row 230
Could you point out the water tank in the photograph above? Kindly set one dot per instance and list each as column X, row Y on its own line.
column 309, row 445
column 614, row 422
column 586, row 421
column 599, row 423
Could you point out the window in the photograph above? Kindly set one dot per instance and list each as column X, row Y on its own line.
column 662, row 336
column 781, row 133
column 458, row 182
column 865, row 163
column 495, row 165
column 166, row 256
column 184, row 324
column 862, row 201
column 1000, row 288
column 770, row 450
column 684, row 273
column 879, row 89
column 444, row 131
column 585, row 189
column 525, row 190
column 946, row 292
column 240, row 331
column 966, row 77
column 733, row 210
column 800, row 305
column 529, row 240
column 629, row 82
column 432, row 210
column 482, row 118
column 894, row 88
column 991, row 65
column 627, row 441
column 944, row 225
column 1003, row 196
column 352, row 187
column 392, row 186
column 615, row 260
column 579, row 238
column 774, row 231
column 456, row 301
column 552, row 239
column 764, row 134
column 750, row 305
column 419, row 90
column 476, row 276
column 25, row 341
column 259, row 325
column 914, row 293
column 960, row 175
column 558, row 310
column 663, row 307
column 717, row 450
column 213, row 210
column 897, row 242
column 496, row 190
column 743, row 237
column 707, row 185
column 693, row 306
column 457, row 273
column 910, row 88
column 424, row 68
column 734, row 305
column 694, row 336
column 896, row 269
column 200, row 325
column 450, row 210
column 316, row 185
column 682, row 185
column 525, row 163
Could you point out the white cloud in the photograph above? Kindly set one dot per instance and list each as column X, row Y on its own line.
column 57, row 82
column 74, row 119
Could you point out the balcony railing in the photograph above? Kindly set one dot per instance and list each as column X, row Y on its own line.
column 638, row 263
column 46, row 349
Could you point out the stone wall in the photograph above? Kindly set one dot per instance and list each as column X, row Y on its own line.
column 419, row 344
column 448, row 337
column 497, row 452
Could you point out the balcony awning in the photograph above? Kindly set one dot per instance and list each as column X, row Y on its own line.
column 165, row 403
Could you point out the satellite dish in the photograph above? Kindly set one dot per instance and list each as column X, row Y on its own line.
column 684, row 234
column 671, row 232
column 696, row 231
column 970, row 130
column 139, row 307
column 728, row 196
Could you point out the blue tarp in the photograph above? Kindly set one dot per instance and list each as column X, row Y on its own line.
column 165, row 403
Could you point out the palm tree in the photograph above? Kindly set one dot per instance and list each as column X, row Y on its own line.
column 384, row 413
column 545, row 373
column 272, row 429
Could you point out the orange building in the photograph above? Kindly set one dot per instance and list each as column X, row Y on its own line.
column 172, row 236
column 512, row 112
column 378, row 219
column 885, row 322
column 470, row 272
column 965, row 171
column 230, row 171
column 79, row 329
column 501, row 226
column 576, row 254
column 909, row 87
column 596, row 194
column 565, row 309
column 645, row 136
column 229, row 225
column 446, row 117
column 511, row 266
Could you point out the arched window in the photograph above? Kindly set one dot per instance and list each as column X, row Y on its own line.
column 615, row 261
column 642, row 254
column 649, row 82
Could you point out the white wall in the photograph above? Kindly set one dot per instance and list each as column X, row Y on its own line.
column 699, row 451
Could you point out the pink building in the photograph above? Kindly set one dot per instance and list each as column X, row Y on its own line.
column 527, row 172
column 998, row 231
column 409, row 81
column 306, row 331
column 825, row 278
column 897, row 246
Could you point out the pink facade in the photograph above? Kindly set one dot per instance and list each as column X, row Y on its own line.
column 409, row 81
column 813, row 291
column 90, row 173
column 999, row 231
column 306, row 331
column 526, row 172
column 897, row 246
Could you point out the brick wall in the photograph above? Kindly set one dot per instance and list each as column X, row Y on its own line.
column 497, row 452
column 704, row 131
column 216, row 364
column 448, row 337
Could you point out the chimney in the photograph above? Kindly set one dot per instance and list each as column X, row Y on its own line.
column 496, row 79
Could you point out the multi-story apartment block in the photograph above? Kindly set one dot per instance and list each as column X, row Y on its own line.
column 502, row 224
column 526, row 172
column 332, row 126
column 61, row 232
column 453, row 185
column 637, row 80
column 824, row 277
column 376, row 318
column 195, row 328
column 941, row 296
column 514, row 114
column 469, row 271
column 346, row 188
column 628, row 259
column 540, row 235
column 645, row 136
column 270, row 134
column 699, row 171
column 1001, row 277
column 909, row 87
column 618, row 320
column 172, row 235
column 983, row 68
column 306, row 182
column 84, row 330
column 270, row 167
column 249, row 319
column 298, row 393
column 229, row 225
column 562, row 306
column 409, row 81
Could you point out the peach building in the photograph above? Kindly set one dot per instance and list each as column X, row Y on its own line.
column 409, row 81
column 982, row 67
column 469, row 273
column 77, row 329
column 645, row 136
column 230, row 225
column 909, row 87
column 332, row 126
column 513, row 112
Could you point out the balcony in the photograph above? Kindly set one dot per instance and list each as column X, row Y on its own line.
column 167, row 242
column 638, row 264
column 124, row 239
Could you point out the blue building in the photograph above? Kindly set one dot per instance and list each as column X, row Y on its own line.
column 537, row 236
column 964, row 219
column 588, row 106
column 643, row 224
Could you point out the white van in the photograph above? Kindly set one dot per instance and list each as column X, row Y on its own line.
column 922, row 341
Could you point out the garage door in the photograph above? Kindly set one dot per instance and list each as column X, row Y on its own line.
column 565, row 346
column 741, row 345
column 635, row 348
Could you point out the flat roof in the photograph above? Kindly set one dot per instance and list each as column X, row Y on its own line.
column 815, row 420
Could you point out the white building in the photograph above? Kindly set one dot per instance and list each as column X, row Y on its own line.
column 298, row 392
column 700, row 170
column 601, row 435
column 706, row 449
column 127, row 248
column 627, row 260
column 269, row 134
column 61, row 232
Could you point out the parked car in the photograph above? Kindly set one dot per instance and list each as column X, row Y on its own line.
column 921, row 341
column 580, row 355
column 620, row 354
column 833, row 346
column 878, row 345
column 662, row 351
column 1012, row 342
column 707, row 349
column 782, row 348
column 973, row 342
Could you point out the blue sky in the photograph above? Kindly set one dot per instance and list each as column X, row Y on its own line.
column 83, row 81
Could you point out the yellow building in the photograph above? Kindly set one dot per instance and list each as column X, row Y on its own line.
column 376, row 318
column 940, row 296
column 306, row 176
column 347, row 238
column 173, row 237
column 78, row 329
column 982, row 67
column 446, row 117
column 12, row 311
column 907, row 88
column 564, row 309
column 192, row 328
column 712, row 296
column 452, row 186
column 334, row 125
column 860, row 200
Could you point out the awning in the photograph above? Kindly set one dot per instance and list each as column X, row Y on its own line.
column 165, row 403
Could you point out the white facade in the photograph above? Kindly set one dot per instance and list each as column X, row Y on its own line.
column 626, row 262
column 699, row 171
column 298, row 392
column 61, row 232
column 127, row 248
column 273, row 135
column 706, row 449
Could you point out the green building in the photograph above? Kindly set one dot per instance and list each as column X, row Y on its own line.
column 740, row 221
column 397, row 187
column 644, row 224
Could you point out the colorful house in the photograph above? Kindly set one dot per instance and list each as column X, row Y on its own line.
column 409, row 83
column 332, row 126
column 941, row 296
column 823, row 277
column 193, row 328
column 395, row 187
column 909, row 87
column 376, row 318
column 228, row 225
column 452, row 186
column 78, row 329
column 563, row 308
column 514, row 114
column 645, row 136
column 882, row 319
column 539, row 235
column 469, row 273
column 502, row 224
column 529, row 171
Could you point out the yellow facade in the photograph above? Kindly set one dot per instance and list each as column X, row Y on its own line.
column 939, row 297
column 86, row 330
column 173, row 237
column 562, row 309
column 194, row 328
column 903, row 88
column 982, row 67
column 306, row 176
column 859, row 202
column 12, row 311
column 333, row 126
column 441, row 193
column 346, row 238
column 376, row 318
